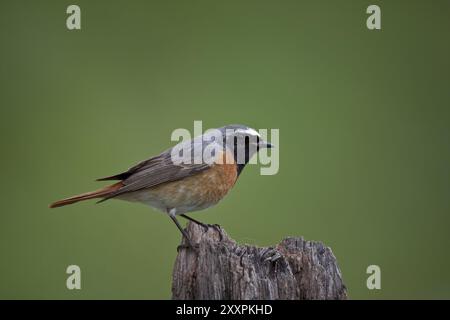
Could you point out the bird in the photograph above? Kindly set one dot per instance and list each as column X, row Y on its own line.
column 178, row 187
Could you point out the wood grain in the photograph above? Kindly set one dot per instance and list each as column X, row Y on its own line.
column 222, row 269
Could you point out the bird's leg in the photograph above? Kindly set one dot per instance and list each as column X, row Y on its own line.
column 183, row 232
column 204, row 225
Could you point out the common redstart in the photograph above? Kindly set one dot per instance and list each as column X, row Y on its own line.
column 193, row 175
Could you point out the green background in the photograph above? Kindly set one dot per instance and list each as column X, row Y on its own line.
column 364, row 136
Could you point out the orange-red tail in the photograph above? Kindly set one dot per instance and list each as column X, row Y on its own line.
column 88, row 195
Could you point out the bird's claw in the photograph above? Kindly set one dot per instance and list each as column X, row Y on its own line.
column 219, row 230
column 215, row 226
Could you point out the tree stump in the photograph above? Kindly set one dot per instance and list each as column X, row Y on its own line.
column 221, row 269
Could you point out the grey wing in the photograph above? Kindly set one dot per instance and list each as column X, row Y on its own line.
column 158, row 170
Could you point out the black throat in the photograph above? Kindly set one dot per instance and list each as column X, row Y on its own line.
column 241, row 166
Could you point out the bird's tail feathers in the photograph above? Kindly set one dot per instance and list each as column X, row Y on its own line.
column 100, row 193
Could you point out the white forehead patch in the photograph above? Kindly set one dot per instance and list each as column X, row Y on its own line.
column 249, row 131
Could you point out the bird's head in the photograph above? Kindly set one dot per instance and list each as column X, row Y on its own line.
column 244, row 141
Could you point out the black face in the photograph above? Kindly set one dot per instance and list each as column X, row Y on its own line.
column 241, row 166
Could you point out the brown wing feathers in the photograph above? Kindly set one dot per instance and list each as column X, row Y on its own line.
column 146, row 174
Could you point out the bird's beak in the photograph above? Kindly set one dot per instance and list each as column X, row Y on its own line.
column 265, row 144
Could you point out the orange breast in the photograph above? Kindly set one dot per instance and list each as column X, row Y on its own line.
column 196, row 192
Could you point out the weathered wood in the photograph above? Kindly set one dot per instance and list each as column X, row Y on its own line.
column 222, row 269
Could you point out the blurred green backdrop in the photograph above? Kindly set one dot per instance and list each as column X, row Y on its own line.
column 363, row 118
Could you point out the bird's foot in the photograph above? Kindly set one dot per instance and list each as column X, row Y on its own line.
column 216, row 227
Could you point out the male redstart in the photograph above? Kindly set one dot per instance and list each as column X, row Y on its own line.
column 191, row 176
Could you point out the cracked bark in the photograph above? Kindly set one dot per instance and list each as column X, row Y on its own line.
column 222, row 269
